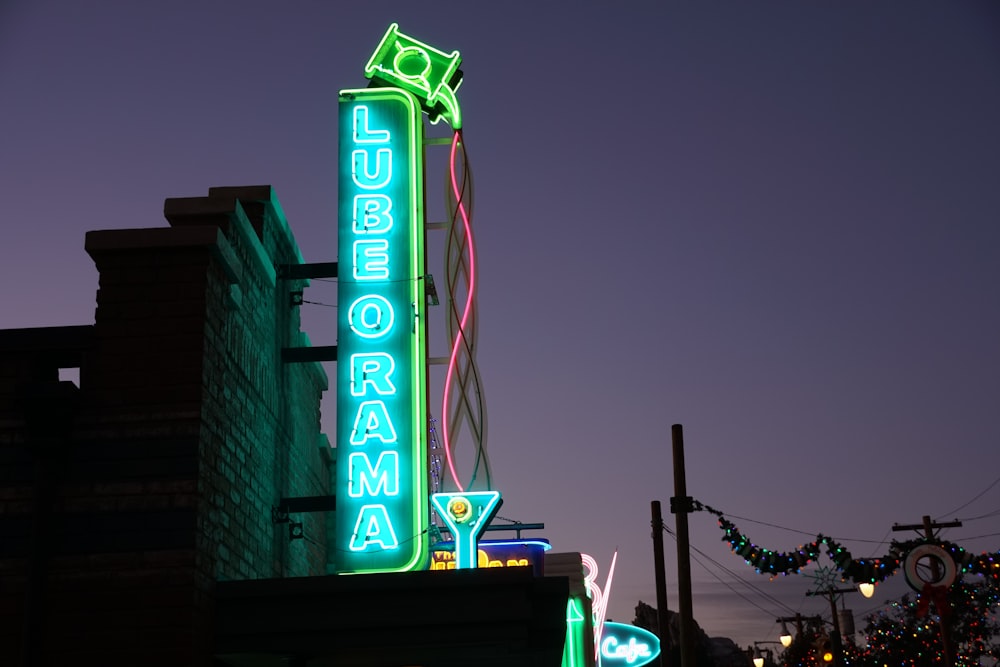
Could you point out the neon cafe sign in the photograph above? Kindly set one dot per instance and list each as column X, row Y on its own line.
column 627, row 645
column 614, row 644
column 382, row 518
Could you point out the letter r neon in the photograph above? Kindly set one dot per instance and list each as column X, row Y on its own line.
column 374, row 369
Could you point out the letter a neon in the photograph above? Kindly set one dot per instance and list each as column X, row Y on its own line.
column 373, row 527
column 371, row 422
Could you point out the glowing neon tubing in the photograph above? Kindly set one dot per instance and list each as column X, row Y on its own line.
column 599, row 625
column 453, row 358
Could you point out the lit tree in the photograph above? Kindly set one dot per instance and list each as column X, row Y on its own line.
column 908, row 633
column 802, row 652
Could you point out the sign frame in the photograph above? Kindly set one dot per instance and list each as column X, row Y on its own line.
column 382, row 515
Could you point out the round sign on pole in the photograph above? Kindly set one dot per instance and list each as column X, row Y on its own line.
column 929, row 564
column 624, row 645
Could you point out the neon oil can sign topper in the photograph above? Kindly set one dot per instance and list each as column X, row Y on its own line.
column 382, row 419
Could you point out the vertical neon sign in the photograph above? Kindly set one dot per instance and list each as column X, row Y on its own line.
column 574, row 652
column 382, row 496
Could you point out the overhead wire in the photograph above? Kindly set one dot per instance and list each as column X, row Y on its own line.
column 804, row 532
column 788, row 610
column 319, row 303
column 988, row 515
column 731, row 573
column 969, row 502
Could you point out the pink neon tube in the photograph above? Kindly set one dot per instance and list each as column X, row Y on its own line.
column 453, row 358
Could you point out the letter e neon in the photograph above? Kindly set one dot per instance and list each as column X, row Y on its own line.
column 371, row 259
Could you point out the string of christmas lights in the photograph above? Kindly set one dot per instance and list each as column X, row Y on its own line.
column 858, row 570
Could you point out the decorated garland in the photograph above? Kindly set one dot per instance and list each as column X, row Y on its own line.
column 858, row 570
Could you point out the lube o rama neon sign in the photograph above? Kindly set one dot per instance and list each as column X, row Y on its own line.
column 382, row 478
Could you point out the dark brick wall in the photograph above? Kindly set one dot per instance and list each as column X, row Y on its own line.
column 123, row 502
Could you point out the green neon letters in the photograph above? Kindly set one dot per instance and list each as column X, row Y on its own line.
column 382, row 513
column 431, row 75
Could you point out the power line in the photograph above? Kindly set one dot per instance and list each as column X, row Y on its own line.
column 750, row 586
column 982, row 516
column 803, row 532
column 319, row 303
column 974, row 499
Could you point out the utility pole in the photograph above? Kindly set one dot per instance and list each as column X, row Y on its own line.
column 928, row 527
column 661, row 584
column 681, row 504
column 836, row 643
column 797, row 619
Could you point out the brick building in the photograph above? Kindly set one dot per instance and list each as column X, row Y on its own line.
column 140, row 516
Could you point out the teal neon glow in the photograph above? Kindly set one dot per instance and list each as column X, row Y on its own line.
column 372, row 214
column 467, row 514
column 374, row 528
column 382, row 495
column 372, row 177
column 371, row 316
column 574, row 650
column 371, row 260
column 363, row 134
column 627, row 645
column 372, row 482
column 373, row 423
column 430, row 74
column 372, row 370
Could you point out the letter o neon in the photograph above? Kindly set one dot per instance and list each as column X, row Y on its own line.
column 371, row 316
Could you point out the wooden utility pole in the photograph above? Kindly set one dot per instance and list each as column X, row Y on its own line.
column 660, row 578
column 681, row 505
column 928, row 527
column 836, row 636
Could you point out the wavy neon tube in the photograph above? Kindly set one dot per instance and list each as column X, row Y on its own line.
column 460, row 335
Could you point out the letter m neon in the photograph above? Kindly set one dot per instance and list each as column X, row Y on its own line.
column 365, row 480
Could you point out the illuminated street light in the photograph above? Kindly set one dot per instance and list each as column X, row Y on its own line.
column 758, row 657
column 786, row 636
column 867, row 589
column 832, row 652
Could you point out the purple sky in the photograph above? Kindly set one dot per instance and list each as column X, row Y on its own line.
column 773, row 223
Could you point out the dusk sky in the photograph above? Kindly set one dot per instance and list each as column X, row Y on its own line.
column 775, row 223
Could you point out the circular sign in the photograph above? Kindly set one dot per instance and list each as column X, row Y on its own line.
column 624, row 645
column 460, row 508
column 929, row 564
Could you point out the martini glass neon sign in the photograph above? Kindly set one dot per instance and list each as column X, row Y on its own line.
column 467, row 515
